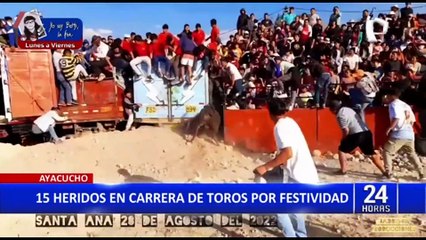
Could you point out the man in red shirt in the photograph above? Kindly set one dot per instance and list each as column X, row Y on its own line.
column 159, row 55
column 143, row 55
column 198, row 35
column 214, row 36
column 162, row 37
column 127, row 45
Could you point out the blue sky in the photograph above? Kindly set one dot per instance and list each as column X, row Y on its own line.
column 122, row 18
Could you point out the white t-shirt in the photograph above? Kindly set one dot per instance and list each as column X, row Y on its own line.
column 285, row 66
column 48, row 119
column 101, row 51
column 234, row 71
column 404, row 128
column 352, row 61
column 301, row 167
column 56, row 57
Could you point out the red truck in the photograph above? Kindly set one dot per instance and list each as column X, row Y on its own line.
column 28, row 90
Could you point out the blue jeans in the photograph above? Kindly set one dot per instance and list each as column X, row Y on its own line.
column 239, row 86
column 292, row 225
column 51, row 130
column 65, row 90
column 321, row 88
column 360, row 101
column 167, row 65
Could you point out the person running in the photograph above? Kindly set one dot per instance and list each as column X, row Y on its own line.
column 295, row 159
column 400, row 133
column 355, row 134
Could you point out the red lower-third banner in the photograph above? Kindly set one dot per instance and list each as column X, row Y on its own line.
column 46, row 177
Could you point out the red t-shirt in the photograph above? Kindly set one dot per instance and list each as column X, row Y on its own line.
column 176, row 43
column 142, row 49
column 158, row 49
column 213, row 47
column 199, row 37
column 162, row 37
column 214, row 34
column 127, row 46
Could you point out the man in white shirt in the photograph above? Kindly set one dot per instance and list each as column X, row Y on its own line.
column 401, row 133
column 99, row 59
column 65, row 90
column 313, row 17
column 46, row 123
column 236, row 78
column 295, row 159
column 352, row 59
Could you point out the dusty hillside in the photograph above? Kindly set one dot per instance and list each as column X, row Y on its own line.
column 159, row 154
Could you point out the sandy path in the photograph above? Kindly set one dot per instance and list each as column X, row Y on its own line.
column 162, row 155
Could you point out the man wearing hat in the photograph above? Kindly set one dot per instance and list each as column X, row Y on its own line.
column 396, row 10
column 355, row 134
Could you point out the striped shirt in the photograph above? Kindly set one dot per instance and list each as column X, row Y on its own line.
column 68, row 64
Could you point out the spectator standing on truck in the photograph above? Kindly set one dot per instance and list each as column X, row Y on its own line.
column 65, row 89
column 46, row 123
column 294, row 158
column 98, row 59
column 188, row 46
column 143, row 54
column 72, row 69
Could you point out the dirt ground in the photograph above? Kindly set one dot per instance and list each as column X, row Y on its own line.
column 160, row 154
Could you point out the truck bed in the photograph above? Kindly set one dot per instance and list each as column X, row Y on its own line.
column 98, row 101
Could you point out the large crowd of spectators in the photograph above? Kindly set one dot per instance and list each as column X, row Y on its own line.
column 308, row 58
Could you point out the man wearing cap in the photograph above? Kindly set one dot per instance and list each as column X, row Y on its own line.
column 355, row 133
column 400, row 133
column 396, row 10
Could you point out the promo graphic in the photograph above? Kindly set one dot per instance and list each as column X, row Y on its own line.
column 36, row 32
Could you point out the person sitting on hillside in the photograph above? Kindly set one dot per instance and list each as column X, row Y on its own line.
column 72, row 69
column 46, row 123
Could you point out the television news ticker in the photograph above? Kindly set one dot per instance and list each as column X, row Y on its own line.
column 175, row 198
